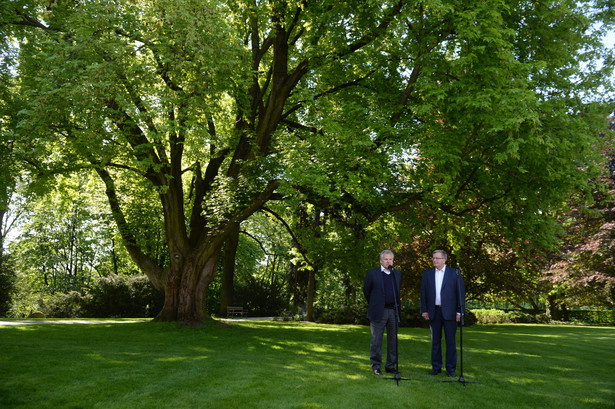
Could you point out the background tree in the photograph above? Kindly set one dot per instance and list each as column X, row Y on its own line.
column 261, row 263
column 148, row 101
column 445, row 112
column 66, row 244
column 11, row 207
column 582, row 272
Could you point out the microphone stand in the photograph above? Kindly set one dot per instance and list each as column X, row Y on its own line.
column 462, row 308
column 397, row 377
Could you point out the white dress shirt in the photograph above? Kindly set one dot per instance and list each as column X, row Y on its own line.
column 439, row 279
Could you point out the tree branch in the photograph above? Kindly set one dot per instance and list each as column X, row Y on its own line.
column 296, row 242
column 31, row 22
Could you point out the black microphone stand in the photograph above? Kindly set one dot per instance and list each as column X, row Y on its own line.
column 397, row 376
column 462, row 308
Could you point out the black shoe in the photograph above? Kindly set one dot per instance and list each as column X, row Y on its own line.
column 435, row 372
column 390, row 370
column 377, row 372
column 451, row 374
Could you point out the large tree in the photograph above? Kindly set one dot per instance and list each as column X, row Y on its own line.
column 582, row 272
column 214, row 108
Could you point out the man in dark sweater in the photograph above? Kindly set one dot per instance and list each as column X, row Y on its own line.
column 381, row 289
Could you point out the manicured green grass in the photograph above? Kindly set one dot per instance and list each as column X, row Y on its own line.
column 267, row 364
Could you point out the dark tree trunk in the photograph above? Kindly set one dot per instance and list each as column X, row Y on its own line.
column 186, row 291
column 294, row 278
column 227, row 290
column 309, row 315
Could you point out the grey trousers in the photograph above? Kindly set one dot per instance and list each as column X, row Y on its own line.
column 377, row 330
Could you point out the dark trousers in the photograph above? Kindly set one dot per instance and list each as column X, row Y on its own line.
column 377, row 330
column 450, row 328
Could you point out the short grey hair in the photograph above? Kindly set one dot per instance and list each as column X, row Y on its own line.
column 441, row 252
column 386, row 252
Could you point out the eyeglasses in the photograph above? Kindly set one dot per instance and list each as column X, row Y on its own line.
column 438, row 258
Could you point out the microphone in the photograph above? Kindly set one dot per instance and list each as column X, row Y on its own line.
column 390, row 268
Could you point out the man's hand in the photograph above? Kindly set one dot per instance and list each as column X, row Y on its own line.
column 458, row 318
column 425, row 315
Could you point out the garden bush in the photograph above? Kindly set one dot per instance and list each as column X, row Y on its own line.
column 410, row 317
column 521, row 317
column 495, row 316
column 347, row 314
column 592, row 316
column 114, row 296
column 118, row 296
column 492, row 316
column 64, row 305
column 261, row 298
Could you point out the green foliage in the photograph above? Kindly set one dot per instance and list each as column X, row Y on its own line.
column 410, row 317
column 63, row 305
column 494, row 316
column 115, row 296
column 68, row 243
column 458, row 125
column 592, row 316
column 7, row 284
column 261, row 266
column 261, row 298
column 123, row 296
column 342, row 315
column 582, row 272
column 261, row 282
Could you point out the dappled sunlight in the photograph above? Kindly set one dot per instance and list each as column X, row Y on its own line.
column 354, row 377
column 22, row 328
column 524, row 380
column 301, row 326
column 111, row 360
column 258, row 362
column 501, row 352
column 181, row 358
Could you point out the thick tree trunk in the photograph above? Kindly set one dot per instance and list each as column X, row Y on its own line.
column 553, row 311
column 185, row 296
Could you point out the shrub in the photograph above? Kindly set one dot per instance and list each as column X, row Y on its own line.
column 522, row 317
column 347, row 314
column 115, row 296
column 542, row 318
column 261, row 298
column 410, row 317
column 492, row 316
column 592, row 316
column 63, row 305
column 495, row 316
column 119, row 296
column 469, row 318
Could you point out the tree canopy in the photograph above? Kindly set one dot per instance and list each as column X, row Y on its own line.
column 470, row 121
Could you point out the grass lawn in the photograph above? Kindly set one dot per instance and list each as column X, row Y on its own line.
column 270, row 364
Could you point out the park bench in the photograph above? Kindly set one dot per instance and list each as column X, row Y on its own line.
column 235, row 312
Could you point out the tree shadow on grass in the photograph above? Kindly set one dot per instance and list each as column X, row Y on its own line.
column 268, row 362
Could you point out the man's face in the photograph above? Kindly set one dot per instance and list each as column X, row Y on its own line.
column 386, row 260
column 438, row 261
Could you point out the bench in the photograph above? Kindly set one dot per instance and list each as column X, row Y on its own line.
column 235, row 312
